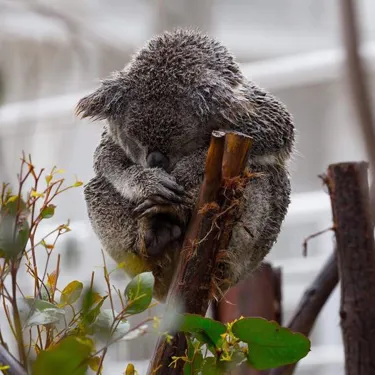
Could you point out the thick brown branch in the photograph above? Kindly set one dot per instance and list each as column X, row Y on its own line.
column 356, row 263
column 311, row 304
column 192, row 288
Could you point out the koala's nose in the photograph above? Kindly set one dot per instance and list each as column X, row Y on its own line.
column 157, row 160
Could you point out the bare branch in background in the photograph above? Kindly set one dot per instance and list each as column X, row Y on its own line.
column 358, row 82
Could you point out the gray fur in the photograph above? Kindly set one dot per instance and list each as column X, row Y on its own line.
column 172, row 95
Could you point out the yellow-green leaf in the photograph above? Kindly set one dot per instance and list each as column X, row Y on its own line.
column 36, row 194
column 71, row 293
column 11, row 199
column 48, row 179
column 77, row 183
column 130, row 369
column 48, row 211
column 94, row 363
column 51, row 280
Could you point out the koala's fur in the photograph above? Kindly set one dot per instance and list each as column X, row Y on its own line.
column 176, row 90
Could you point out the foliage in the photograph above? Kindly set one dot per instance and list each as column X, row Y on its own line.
column 215, row 348
column 66, row 324
column 72, row 326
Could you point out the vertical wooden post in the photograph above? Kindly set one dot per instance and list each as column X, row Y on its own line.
column 356, row 263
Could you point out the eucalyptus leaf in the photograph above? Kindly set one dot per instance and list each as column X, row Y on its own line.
column 270, row 345
column 13, row 238
column 104, row 324
column 139, row 292
column 206, row 330
column 71, row 293
column 38, row 312
column 48, row 211
column 67, row 357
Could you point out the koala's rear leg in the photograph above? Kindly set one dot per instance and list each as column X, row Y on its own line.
column 160, row 231
column 163, row 222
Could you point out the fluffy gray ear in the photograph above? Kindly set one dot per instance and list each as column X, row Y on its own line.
column 108, row 101
column 221, row 97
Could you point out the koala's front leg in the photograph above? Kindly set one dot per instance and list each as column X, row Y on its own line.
column 166, row 221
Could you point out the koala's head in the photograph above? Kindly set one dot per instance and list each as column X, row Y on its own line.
column 168, row 99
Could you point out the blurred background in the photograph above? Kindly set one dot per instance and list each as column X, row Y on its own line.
column 52, row 52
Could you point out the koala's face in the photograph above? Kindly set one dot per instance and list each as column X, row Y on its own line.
column 158, row 132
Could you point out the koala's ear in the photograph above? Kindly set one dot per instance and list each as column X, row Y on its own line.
column 108, row 101
column 223, row 98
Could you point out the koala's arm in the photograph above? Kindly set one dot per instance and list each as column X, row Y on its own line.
column 132, row 181
column 189, row 170
column 269, row 124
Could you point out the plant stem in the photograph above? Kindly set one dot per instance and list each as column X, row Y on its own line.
column 16, row 315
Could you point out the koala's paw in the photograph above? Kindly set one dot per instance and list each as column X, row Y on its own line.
column 160, row 233
column 156, row 204
column 162, row 186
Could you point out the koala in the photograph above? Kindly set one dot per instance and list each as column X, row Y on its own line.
column 159, row 113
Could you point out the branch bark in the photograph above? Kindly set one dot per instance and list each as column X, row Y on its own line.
column 193, row 286
column 356, row 263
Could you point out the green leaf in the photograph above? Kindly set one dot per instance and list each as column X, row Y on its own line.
column 71, row 293
column 94, row 363
column 64, row 358
column 103, row 326
column 38, row 312
column 89, row 315
column 13, row 238
column 138, row 293
column 193, row 366
column 209, row 366
column 13, row 206
column 48, row 211
column 270, row 345
column 206, row 330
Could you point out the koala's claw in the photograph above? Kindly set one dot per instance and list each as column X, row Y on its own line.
column 150, row 206
column 160, row 235
column 173, row 186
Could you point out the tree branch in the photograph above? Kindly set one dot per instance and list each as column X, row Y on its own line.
column 356, row 263
column 15, row 368
column 358, row 82
column 209, row 230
